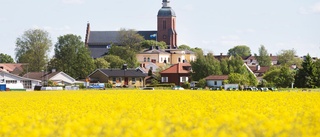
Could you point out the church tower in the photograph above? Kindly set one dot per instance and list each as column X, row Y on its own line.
column 167, row 25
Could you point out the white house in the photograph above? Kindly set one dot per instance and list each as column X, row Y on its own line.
column 216, row 80
column 59, row 78
column 15, row 82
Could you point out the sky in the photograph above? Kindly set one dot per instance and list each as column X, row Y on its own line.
column 213, row 25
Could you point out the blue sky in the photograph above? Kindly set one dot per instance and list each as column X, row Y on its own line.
column 215, row 26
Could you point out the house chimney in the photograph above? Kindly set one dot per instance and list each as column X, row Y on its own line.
column 221, row 54
column 124, row 67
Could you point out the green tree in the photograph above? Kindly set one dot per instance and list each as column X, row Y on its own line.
column 115, row 61
column 130, row 38
column 317, row 79
column 263, row 58
column 101, row 63
column 197, row 51
column 184, row 47
column 288, row 58
column 5, row 58
column 306, row 77
column 149, row 43
column 126, row 54
column 236, row 65
column 236, row 78
column 224, row 66
column 72, row 57
column 205, row 66
column 281, row 76
column 241, row 50
column 33, row 48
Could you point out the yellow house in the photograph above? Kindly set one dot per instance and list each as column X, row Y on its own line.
column 168, row 56
column 118, row 77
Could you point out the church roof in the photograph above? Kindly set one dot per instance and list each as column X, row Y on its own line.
column 166, row 12
column 108, row 37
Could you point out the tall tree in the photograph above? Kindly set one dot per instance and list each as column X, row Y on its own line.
column 288, row 57
column 263, row 58
column 130, row 38
column 126, row 54
column 205, row 66
column 240, row 50
column 101, row 63
column 33, row 48
column 224, row 66
column 236, row 65
column 72, row 57
column 5, row 58
column 317, row 79
column 149, row 43
column 115, row 61
column 305, row 77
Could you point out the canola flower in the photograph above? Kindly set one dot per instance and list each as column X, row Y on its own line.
column 136, row 113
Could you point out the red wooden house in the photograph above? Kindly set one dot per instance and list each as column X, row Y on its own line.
column 177, row 73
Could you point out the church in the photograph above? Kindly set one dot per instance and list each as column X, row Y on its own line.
column 99, row 42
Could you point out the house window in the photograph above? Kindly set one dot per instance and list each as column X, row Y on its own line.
column 154, row 61
column 27, row 84
column 144, row 59
column 164, row 24
column 183, row 79
column 11, row 81
column 148, row 59
column 215, row 83
column 133, row 80
column 179, row 59
column 164, row 79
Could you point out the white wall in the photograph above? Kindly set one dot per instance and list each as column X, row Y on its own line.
column 211, row 83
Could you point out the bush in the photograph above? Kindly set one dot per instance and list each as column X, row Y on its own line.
column 186, row 85
column 202, row 83
column 108, row 85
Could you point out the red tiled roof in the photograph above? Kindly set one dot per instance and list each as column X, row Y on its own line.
column 10, row 67
column 178, row 68
column 217, row 77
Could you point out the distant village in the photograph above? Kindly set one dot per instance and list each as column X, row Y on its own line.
column 157, row 61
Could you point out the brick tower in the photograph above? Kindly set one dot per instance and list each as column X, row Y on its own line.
column 167, row 25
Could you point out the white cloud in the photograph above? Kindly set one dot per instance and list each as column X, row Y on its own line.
column 316, row 8
column 73, row 1
column 3, row 19
column 313, row 9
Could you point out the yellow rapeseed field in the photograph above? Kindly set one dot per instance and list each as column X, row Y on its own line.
column 141, row 113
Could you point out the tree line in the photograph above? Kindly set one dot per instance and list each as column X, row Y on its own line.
column 72, row 57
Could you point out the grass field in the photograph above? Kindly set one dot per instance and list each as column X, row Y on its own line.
column 159, row 113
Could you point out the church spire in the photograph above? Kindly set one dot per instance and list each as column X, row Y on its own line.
column 165, row 3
